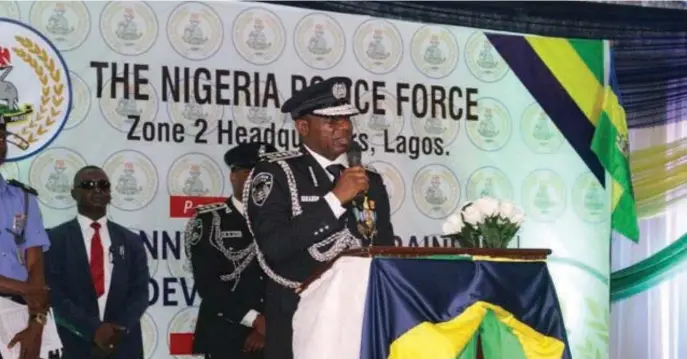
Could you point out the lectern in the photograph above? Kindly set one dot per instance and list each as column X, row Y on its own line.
column 431, row 303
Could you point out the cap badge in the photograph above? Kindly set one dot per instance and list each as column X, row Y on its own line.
column 339, row 91
column 262, row 150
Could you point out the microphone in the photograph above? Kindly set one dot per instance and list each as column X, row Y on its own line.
column 355, row 155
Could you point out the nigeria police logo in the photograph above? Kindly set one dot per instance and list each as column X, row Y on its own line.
column 81, row 105
column 134, row 179
column 589, row 199
column 544, row 195
column 67, row 24
column 393, row 181
column 436, row 191
column 376, row 125
column 483, row 60
column 35, row 90
column 51, row 174
column 195, row 31
column 249, row 114
column 195, row 175
column 183, row 322
column 493, row 129
column 378, row 46
column 538, row 132
column 117, row 111
column 261, row 186
column 489, row 182
column 153, row 264
column 129, row 28
column 149, row 334
column 10, row 9
column 428, row 126
column 320, row 41
column 259, row 36
column 181, row 267
column 9, row 170
column 434, row 51
column 187, row 113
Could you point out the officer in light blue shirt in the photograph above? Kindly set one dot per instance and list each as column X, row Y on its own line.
column 23, row 240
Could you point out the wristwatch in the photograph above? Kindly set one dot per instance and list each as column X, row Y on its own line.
column 39, row 318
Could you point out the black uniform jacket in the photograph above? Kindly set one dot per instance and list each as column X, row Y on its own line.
column 284, row 239
column 224, row 304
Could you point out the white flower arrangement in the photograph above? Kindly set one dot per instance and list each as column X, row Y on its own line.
column 485, row 223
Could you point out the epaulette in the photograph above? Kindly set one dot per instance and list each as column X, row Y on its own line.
column 279, row 156
column 371, row 169
column 207, row 208
column 24, row 187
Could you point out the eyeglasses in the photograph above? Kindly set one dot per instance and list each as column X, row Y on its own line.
column 103, row 185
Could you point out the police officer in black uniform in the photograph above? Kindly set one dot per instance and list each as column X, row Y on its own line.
column 229, row 280
column 307, row 206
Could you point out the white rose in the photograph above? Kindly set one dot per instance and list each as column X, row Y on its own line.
column 506, row 210
column 454, row 224
column 473, row 215
column 488, row 206
column 518, row 217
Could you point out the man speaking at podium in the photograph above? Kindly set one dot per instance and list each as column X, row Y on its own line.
column 307, row 206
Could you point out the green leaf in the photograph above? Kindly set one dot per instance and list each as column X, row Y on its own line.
column 593, row 308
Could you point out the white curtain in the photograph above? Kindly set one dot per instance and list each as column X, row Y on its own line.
column 652, row 324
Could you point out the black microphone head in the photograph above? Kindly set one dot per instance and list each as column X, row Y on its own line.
column 354, row 154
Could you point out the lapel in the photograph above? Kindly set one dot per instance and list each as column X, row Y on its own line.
column 117, row 254
column 317, row 175
column 83, row 267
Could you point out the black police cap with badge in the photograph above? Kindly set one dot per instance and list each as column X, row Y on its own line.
column 328, row 98
column 247, row 155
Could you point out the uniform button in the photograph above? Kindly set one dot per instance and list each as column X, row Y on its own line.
column 326, row 227
column 261, row 277
column 219, row 314
column 261, row 300
column 231, row 248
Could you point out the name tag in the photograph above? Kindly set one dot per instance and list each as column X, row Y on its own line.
column 232, row 234
column 310, row 198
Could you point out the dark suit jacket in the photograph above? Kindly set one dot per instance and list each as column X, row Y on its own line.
column 218, row 329
column 284, row 239
column 73, row 295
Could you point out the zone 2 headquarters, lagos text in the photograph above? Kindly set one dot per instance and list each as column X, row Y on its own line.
column 228, row 133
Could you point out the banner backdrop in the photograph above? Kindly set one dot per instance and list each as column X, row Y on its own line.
column 156, row 92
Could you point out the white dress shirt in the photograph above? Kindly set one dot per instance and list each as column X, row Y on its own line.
column 249, row 318
column 88, row 232
column 330, row 197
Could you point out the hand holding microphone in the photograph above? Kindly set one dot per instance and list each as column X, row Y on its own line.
column 353, row 180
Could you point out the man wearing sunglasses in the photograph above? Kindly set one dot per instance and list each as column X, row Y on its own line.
column 22, row 242
column 225, row 271
column 97, row 271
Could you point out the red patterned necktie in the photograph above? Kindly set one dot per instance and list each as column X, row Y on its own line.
column 97, row 265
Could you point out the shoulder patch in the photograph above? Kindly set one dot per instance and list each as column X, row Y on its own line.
column 24, row 187
column 260, row 187
column 280, row 156
column 371, row 169
column 212, row 207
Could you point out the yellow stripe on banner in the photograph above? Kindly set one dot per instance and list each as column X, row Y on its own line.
column 573, row 74
column 502, row 259
column 617, row 192
column 448, row 339
column 614, row 111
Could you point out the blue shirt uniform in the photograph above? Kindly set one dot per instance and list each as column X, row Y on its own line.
column 12, row 218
